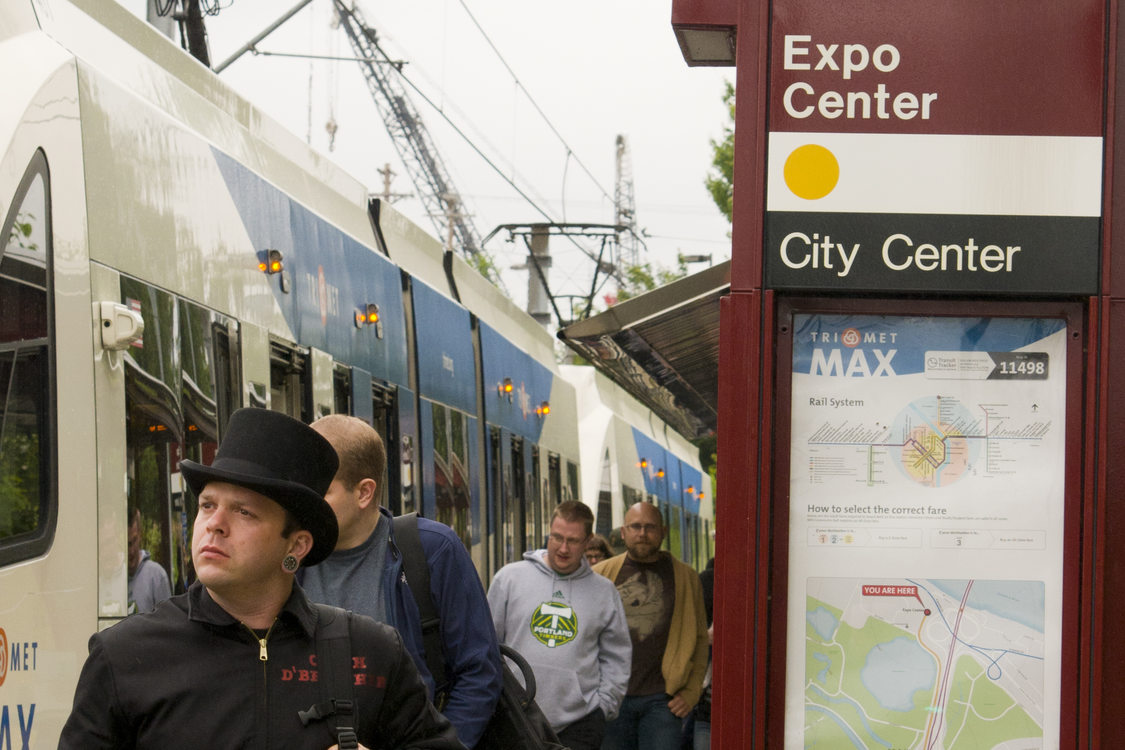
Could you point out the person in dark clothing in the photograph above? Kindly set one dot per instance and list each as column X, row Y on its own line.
column 701, row 717
column 233, row 662
column 707, row 580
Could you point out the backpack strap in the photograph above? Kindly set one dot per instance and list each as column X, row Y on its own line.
column 333, row 652
column 417, row 572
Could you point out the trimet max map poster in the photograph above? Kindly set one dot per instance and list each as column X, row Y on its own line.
column 925, row 532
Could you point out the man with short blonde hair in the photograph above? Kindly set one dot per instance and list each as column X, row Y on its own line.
column 569, row 625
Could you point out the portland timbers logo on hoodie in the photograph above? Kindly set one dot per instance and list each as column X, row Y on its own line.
column 554, row 624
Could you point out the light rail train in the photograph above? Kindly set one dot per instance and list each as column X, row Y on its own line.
column 170, row 254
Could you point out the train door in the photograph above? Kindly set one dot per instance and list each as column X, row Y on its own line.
column 604, row 509
column 533, row 513
column 570, row 489
column 407, row 430
column 673, row 492
column 154, row 431
column 447, row 464
column 255, row 368
column 384, row 417
column 515, row 531
column 498, row 457
column 554, row 490
column 176, row 375
column 290, row 381
column 355, row 393
column 208, row 391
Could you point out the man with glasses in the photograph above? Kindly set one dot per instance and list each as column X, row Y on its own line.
column 663, row 602
column 570, row 626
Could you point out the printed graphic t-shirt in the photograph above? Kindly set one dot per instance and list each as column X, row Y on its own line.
column 648, row 594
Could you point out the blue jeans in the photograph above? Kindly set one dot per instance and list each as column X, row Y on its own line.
column 645, row 723
column 702, row 735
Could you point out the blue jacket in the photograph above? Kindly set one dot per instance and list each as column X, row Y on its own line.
column 472, row 657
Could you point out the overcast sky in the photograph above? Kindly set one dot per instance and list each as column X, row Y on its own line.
column 596, row 69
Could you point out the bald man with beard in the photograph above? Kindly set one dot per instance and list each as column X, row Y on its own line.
column 663, row 602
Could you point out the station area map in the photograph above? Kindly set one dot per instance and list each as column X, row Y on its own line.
column 926, row 484
column 915, row 663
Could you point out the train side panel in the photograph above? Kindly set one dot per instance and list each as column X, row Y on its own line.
column 48, row 603
column 629, row 455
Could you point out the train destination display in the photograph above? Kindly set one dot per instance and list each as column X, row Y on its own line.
column 950, row 160
column 926, row 531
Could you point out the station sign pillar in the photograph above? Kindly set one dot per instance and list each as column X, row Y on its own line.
column 924, row 313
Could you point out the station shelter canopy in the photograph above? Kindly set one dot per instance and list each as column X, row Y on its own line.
column 663, row 348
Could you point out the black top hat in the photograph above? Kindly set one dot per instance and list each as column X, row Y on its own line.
column 285, row 460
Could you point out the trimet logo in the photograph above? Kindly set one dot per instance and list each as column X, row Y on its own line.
column 3, row 656
column 554, row 624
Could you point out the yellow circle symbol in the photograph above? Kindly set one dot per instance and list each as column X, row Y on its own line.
column 811, row 172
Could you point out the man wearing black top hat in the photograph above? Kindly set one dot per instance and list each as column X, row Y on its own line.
column 234, row 662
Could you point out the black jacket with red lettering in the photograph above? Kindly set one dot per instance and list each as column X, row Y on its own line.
column 188, row 675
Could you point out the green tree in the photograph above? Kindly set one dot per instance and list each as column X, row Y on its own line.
column 720, row 180
column 644, row 277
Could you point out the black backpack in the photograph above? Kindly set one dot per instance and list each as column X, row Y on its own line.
column 333, row 649
column 517, row 722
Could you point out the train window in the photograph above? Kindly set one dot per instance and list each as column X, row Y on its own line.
column 154, row 420
column 451, row 470
column 554, row 481
column 676, row 533
column 691, row 531
column 27, row 441
column 665, row 512
column 226, row 374
column 631, row 496
column 384, row 416
column 517, row 497
column 290, row 381
column 459, row 470
column 605, row 495
column 207, row 384
column 497, row 507
column 443, row 489
column 571, row 480
column 604, row 512
column 534, row 513
column 341, row 390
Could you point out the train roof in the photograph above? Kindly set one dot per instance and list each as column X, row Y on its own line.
column 106, row 37
column 663, row 348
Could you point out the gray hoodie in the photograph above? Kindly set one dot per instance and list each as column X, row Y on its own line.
column 572, row 631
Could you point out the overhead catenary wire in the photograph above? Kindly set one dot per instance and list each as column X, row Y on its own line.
column 398, row 69
column 541, row 208
column 531, row 99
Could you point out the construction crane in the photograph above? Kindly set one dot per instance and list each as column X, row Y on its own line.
column 412, row 141
column 625, row 209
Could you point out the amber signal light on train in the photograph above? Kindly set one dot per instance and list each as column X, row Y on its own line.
column 504, row 388
column 368, row 315
column 272, row 262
